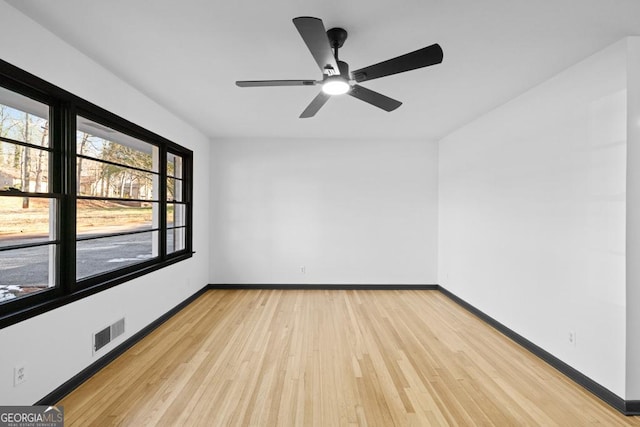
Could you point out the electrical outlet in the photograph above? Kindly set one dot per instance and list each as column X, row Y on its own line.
column 572, row 338
column 19, row 374
column 303, row 269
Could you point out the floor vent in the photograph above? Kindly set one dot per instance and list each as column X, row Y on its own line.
column 117, row 329
column 104, row 337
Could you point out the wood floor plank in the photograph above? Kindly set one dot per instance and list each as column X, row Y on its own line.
column 331, row 358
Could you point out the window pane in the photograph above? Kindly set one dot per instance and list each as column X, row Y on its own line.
column 175, row 239
column 25, row 271
column 26, row 220
column 100, row 142
column 111, row 253
column 23, row 168
column 23, row 119
column 99, row 179
column 95, row 217
column 174, row 165
column 174, row 189
column 176, row 214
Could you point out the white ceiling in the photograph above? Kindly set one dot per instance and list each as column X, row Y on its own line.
column 186, row 55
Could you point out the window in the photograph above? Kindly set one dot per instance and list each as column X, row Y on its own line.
column 117, row 204
column 88, row 200
column 28, row 206
column 176, row 206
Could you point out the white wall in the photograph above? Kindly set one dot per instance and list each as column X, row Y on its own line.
column 57, row 345
column 350, row 211
column 532, row 215
column 633, row 219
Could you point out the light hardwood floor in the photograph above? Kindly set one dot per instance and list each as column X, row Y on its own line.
column 331, row 358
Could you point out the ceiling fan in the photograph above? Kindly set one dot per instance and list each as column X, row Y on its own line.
column 336, row 79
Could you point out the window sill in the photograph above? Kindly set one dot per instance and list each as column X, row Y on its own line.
column 13, row 316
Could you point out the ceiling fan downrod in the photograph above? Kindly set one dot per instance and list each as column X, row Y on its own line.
column 337, row 37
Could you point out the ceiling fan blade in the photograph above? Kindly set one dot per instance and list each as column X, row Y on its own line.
column 424, row 57
column 374, row 98
column 315, row 36
column 259, row 83
column 317, row 103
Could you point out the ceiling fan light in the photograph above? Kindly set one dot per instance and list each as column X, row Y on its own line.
column 336, row 86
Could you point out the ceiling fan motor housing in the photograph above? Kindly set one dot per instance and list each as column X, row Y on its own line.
column 344, row 73
column 343, row 67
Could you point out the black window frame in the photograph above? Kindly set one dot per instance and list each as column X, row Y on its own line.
column 64, row 107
